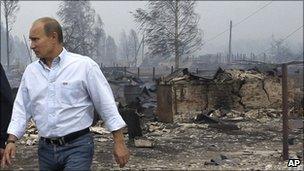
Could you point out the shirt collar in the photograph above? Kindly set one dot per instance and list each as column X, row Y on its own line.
column 63, row 54
column 59, row 59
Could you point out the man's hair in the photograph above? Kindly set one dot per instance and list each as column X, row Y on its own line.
column 51, row 25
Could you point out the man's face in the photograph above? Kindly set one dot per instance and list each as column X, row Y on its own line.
column 41, row 44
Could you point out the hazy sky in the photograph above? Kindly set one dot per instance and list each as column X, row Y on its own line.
column 278, row 18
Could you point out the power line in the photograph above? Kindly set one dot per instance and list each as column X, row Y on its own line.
column 239, row 22
column 286, row 37
column 292, row 33
column 252, row 14
column 217, row 35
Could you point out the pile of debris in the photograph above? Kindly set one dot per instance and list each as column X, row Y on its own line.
column 229, row 97
column 31, row 135
column 251, row 88
column 182, row 95
column 234, row 115
column 131, row 92
column 136, row 99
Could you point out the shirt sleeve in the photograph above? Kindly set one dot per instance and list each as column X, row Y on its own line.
column 103, row 99
column 20, row 113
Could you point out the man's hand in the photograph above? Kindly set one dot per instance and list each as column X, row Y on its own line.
column 8, row 155
column 9, row 152
column 121, row 152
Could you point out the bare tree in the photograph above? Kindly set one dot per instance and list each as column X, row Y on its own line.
column 170, row 28
column 133, row 44
column 111, row 51
column 78, row 20
column 99, row 37
column 9, row 11
column 279, row 50
column 124, row 52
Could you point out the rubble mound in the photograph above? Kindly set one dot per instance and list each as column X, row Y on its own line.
column 231, row 89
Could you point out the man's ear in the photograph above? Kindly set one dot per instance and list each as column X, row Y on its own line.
column 54, row 36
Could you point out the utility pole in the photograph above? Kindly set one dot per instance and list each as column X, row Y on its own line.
column 229, row 55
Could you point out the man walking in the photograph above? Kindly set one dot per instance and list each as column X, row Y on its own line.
column 60, row 91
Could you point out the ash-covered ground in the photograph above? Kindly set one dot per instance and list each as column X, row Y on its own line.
column 256, row 145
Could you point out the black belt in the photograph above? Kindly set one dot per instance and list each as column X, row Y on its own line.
column 65, row 139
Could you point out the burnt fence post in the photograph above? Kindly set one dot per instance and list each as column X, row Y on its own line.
column 285, row 111
column 137, row 72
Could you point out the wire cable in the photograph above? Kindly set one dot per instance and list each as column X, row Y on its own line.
column 253, row 13
column 282, row 40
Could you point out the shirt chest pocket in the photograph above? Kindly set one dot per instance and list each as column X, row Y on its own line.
column 71, row 93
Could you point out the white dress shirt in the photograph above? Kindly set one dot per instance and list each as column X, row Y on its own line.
column 61, row 99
